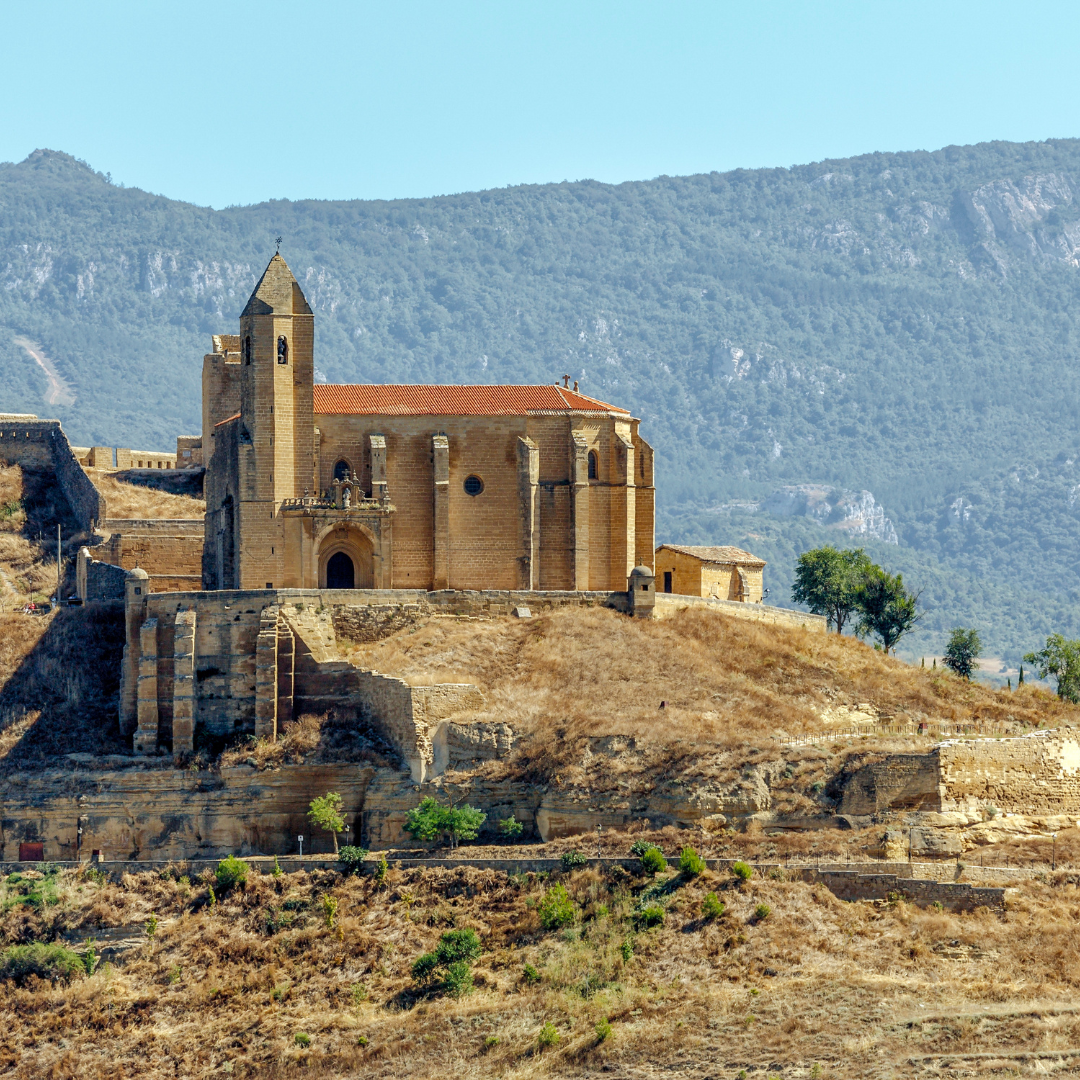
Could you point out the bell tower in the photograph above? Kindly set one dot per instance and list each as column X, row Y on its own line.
column 277, row 332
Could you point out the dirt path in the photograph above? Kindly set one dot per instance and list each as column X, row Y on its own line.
column 59, row 392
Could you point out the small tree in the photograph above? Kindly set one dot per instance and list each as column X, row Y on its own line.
column 887, row 608
column 1060, row 658
column 827, row 581
column 962, row 651
column 325, row 812
column 430, row 820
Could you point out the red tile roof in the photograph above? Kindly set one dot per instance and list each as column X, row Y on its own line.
column 391, row 400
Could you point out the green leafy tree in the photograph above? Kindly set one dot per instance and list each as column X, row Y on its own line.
column 325, row 812
column 431, row 820
column 1060, row 658
column 827, row 581
column 452, row 957
column 886, row 608
column 963, row 650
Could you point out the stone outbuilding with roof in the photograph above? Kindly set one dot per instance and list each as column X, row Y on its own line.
column 724, row 572
column 408, row 487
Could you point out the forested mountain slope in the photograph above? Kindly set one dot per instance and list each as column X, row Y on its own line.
column 900, row 323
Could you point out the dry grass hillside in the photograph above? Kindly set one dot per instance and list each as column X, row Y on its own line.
column 728, row 686
column 137, row 494
column 309, row 974
column 59, row 673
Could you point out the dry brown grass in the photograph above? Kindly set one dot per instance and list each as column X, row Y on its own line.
column 726, row 684
column 334, row 736
column 224, row 990
column 131, row 500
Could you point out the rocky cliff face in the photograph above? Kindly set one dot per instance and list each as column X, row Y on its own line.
column 856, row 513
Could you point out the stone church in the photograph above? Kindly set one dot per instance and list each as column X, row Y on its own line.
column 408, row 487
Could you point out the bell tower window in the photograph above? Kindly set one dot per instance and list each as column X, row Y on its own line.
column 282, row 350
column 342, row 470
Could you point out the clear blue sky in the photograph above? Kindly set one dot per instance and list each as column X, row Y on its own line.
column 222, row 103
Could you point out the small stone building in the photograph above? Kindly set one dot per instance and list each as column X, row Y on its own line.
column 727, row 573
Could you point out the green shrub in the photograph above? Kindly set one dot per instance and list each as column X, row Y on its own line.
column 51, row 961
column 650, row 915
column 231, row 872
column 639, row 847
column 302, row 1038
column 762, row 911
column 690, row 862
column 382, row 868
column 457, row 945
column 491, row 1041
column 150, row 926
column 329, row 909
column 547, row 1036
column 277, row 871
column 743, row 871
column 601, row 911
column 712, row 907
column 358, row 992
column 626, row 949
column 456, row 950
column 458, row 981
column 90, row 956
column 603, row 1029
column 423, row 967
column 351, row 859
column 571, row 860
column 511, row 828
column 815, row 1071
column 530, row 975
column 653, row 861
column 556, row 909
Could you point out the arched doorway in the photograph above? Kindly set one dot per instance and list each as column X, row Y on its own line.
column 340, row 573
column 346, row 558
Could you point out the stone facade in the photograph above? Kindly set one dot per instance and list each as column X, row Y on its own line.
column 723, row 573
column 389, row 487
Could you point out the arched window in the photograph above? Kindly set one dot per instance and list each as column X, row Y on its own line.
column 473, row 485
column 247, row 350
column 594, row 466
column 342, row 470
column 282, row 350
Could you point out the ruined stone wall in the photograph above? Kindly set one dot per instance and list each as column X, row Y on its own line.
column 43, row 446
column 668, row 603
column 174, row 813
column 96, row 580
column 1031, row 774
column 899, row 781
column 956, row 896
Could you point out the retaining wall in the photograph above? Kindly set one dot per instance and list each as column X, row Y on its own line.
column 669, row 603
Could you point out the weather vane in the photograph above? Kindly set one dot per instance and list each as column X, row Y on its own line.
column 278, row 242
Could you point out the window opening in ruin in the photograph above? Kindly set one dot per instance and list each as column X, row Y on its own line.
column 247, row 350
column 342, row 470
column 594, row 466
column 667, row 581
column 282, row 350
column 340, row 573
column 473, row 485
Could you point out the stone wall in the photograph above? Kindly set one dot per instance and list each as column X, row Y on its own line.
column 173, row 813
column 43, row 446
column 956, row 896
column 669, row 603
column 96, row 580
column 1036, row 773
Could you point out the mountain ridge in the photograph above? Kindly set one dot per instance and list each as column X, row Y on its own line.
column 898, row 323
